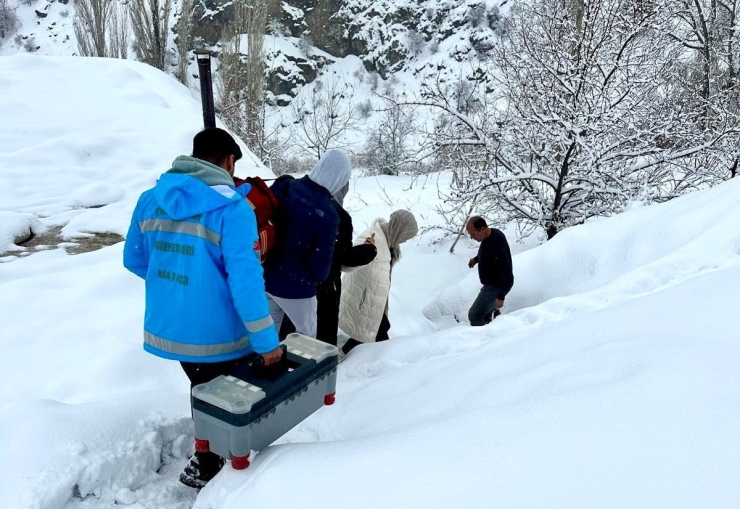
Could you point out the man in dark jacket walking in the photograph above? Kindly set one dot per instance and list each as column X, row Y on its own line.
column 307, row 230
column 494, row 270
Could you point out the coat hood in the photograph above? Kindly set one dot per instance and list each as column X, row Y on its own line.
column 332, row 171
column 194, row 187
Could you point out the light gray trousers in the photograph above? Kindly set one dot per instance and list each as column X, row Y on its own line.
column 302, row 312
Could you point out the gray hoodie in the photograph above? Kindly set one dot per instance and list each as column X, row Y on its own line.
column 332, row 172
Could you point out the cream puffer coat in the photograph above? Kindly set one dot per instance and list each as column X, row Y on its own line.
column 365, row 290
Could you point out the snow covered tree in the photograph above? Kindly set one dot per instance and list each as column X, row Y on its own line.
column 387, row 149
column 705, row 78
column 8, row 19
column 323, row 115
column 101, row 28
column 243, row 74
column 150, row 20
column 184, row 30
column 573, row 118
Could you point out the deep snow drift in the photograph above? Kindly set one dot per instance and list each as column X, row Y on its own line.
column 612, row 379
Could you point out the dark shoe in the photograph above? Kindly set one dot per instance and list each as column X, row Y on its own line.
column 203, row 467
column 349, row 345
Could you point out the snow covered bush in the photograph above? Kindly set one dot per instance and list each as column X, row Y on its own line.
column 305, row 45
column 476, row 15
column 415, row 42
column 364, row 109
column 30, row 45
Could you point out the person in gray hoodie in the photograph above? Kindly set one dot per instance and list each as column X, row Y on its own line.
column 307, row 226
column 345, row 255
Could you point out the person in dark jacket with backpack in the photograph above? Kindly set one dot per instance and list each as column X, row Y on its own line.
column 494, row 270
column 192, row 239
column 346, row 254
column 307, row 225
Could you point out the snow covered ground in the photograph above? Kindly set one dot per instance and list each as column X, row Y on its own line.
column 611, row 381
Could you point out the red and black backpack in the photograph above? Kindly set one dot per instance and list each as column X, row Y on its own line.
column 264, row 204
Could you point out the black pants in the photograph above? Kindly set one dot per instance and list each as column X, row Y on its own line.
column 483, row 310
column 382, row 335
column 327, row 313
column 202, row 372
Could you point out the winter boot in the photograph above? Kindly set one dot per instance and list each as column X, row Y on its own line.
column 203, row 467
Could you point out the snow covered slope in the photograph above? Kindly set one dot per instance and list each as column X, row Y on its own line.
column 612, row 380
column 622, row 392
column 640, row 251
column 79, row 133
column 45, row 27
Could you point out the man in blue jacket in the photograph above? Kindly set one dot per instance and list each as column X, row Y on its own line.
column 307, row 226
column 194, row 240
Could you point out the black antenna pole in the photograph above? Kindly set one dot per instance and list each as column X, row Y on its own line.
column 206, row 87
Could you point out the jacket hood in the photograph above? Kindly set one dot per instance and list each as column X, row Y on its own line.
column 332, row 171
column 194, row 187
column 208, row 173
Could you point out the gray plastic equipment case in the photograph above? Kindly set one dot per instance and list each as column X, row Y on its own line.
column 253, row 406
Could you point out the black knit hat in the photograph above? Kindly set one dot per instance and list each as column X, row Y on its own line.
column 215, row 145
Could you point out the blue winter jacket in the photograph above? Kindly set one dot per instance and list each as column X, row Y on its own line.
column 193, row 239
column 307, row 227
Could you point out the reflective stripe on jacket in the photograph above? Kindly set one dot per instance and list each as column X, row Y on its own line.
column 193, row 239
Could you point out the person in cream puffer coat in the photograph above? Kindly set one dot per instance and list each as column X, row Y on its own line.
column 363, row 309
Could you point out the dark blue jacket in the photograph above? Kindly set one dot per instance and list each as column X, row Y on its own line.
column 307, row 227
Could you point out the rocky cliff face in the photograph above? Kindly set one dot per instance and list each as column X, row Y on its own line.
column 387, row 35
column 312, row 19
column 305, row 24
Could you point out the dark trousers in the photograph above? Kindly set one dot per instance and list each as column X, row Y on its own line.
column 202, row 372
column 327, row 313
column 483, row 310
column 382, row 335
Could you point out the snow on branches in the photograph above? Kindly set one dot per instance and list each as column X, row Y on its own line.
column 572, row 116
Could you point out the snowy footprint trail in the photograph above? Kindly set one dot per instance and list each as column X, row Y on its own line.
column 701, row 246
column 142, row 473
column 92, row 455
